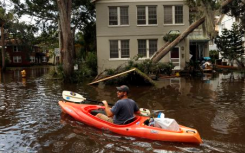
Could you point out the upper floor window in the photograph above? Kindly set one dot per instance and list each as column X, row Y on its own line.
column 146, row 15
column 17, row 59
column 173, row 14
column 119, row 49
column 118, row 15
column 147, row 48
column 16, row 49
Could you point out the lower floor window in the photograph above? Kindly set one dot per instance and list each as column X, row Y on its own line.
column 119, row 48
column 32, row 59
column 147, row 47
column 17, row 59
column 44, row 59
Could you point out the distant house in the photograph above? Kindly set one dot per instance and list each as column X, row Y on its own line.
column 19, row 54
column 126, row 28
column 223, row 22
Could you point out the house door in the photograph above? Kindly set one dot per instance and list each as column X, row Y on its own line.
column 175, row 58
column 197, row 50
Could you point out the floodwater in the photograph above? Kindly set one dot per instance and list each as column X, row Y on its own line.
column 31, row 120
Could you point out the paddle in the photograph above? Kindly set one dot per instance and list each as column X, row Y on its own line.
column 77, row 98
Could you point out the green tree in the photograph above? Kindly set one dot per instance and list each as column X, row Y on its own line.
column 237, row 9
column 230, row 44
column 69, row 15
column 25, row 33
column 4, row 19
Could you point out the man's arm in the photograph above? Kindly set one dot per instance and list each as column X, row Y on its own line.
column 137, row 112
column 136, row 109
column 107, row 109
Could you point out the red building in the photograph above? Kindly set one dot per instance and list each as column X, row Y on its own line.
column 19, row 54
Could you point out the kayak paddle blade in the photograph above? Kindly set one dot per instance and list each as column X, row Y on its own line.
column 72, row 96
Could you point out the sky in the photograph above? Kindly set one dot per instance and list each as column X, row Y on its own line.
column 8, row 6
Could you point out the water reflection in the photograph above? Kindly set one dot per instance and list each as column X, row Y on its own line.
column 31, row 120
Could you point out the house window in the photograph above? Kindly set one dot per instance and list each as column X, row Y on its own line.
column 123, row 15
column 44, row 59
column 32, row 59
column 146, row 48
column 17, row 59
column 173, row 14
column 118, row 15
column 16, row 49
column 146, row 15
column 119, row 49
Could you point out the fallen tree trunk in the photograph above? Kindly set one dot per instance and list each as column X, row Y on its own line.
column 123, row 74
column 164, row 50
column 156, row 53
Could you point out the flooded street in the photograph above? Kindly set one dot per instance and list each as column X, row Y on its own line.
column 31, row 120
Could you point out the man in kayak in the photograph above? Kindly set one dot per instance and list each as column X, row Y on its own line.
column 123, row 109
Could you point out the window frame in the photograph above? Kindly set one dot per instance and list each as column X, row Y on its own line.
column 32, row 59
column 119, row 46
column 44, row 59
column 16, row 49
column 173, row 11
column 119, row 17
column 18, row 59
column 146, row 8
column 148, row 48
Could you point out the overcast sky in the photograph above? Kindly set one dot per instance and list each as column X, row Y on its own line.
column 8, row 6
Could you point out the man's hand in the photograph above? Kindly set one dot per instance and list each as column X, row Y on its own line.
column 105, row 103
column 107, row 109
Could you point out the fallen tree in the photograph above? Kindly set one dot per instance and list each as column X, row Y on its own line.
column 125, row 73
column 164, row 50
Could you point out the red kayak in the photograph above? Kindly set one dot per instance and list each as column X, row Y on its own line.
column 137, row 128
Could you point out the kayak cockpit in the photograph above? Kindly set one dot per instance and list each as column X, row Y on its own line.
column 94, row 110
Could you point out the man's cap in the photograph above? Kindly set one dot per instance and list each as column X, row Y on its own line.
column 123, row 88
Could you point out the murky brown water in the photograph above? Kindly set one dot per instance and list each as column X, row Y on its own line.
column 31, row 120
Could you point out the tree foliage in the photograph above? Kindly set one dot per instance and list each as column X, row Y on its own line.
column 230, row 43
column 237, row 9
column 68, row 15
column 22, row 32
column 5, row 17
column 207, row 8
column 45, row 12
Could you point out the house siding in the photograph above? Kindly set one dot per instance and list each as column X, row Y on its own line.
column 133, row 32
